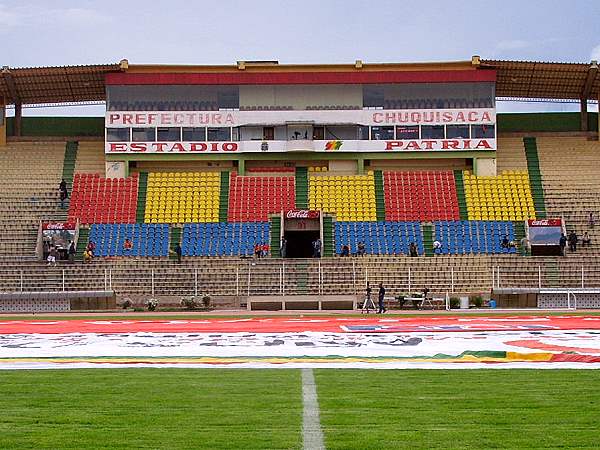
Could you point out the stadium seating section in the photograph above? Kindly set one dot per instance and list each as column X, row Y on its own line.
column 380, row 238
column 253, row 198
column 182, row 197
column 147, row 239
column 223, row 239
column 423, row 196
column 462, row 237
column 103, row 200
column 350, row 197
column 503, row 197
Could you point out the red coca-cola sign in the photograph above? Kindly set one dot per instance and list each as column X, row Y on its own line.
column 545, row 222
column 58, row 226
column 302, row 214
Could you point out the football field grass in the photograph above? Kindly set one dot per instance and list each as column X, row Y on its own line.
column 238, row 408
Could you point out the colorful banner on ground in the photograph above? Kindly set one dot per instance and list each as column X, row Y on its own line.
column 536, row 342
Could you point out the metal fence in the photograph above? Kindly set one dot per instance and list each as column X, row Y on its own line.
column 324, row 277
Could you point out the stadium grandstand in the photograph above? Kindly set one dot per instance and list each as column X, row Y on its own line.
column 195, row 167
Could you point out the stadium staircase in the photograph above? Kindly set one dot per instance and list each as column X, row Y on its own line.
column 302, row 187
column 275, row 230
column 427, row 239
column 551, row 274
column 535, row 176
column 224, row 196
column 379, row 195
column 460, row 194
column 174, row 239
column 69, row 162
column 328, row 237
column 82, row 241
column 142, row 191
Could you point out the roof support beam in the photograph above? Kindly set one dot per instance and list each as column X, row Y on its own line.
column 589, row 80
column 583, row 115
column 12, row 87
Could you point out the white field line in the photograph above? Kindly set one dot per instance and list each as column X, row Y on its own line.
column 312, row 435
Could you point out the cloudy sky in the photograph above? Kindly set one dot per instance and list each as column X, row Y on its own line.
column 64, row 32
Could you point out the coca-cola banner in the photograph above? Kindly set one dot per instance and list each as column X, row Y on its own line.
column 58, row 226
column 302, row 214
column 544, row 222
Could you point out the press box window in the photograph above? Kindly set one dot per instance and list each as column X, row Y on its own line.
column 143, row 134
column 219, row 134
column 457, row 131
column 117, row 134
column 171, row 134
column 362, row 133
column 407, row 132
column 194, row 134
column 432, row 132
column 382, row 133
column 483, row 131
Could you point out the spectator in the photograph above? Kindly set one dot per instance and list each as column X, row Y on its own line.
column 360, row 249
column 317, row 248
column 412, row 249
column 127, row 245
column 591, row 220
column 381, row 298
column 178, row 252
column 265, row 250
column 87, row 256
column 257, row 250
column 585, row 240
column 52, row 256
column 524, row 244
column 573, row 241
column 91, row 247
column 345, row 250
column 283, row 247
column 63, row 193
column 563, row 243
column 505, row 242
column 437, row 247
column 71, row 252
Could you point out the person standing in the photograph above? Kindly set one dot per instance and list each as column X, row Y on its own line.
column 381, row 298
column 72, row 252
column 368, row 302
column 178, row 252
column 317, row 248
column 573, row 241
column 563, row 243
column 63, row 193
column 283, row 247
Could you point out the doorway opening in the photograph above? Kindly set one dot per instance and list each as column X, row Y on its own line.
column 299, row 243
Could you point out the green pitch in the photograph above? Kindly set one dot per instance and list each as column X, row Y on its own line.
column 460, row 409
column 362, row 409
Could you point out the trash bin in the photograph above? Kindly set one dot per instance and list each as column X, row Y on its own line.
column 464, row 303
column 492, row 303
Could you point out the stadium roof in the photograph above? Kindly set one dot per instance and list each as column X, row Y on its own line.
column 551, row 80
column 65, row 84
column 514, row 79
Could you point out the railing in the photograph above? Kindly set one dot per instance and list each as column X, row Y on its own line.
column 283, row 278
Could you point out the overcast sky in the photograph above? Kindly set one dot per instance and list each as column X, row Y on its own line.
column 67, row 32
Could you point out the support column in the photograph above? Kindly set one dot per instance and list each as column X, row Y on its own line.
column 360, row 166
column 2, row 122
column 241, row 166
column 583, row 115
column 18, row 116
